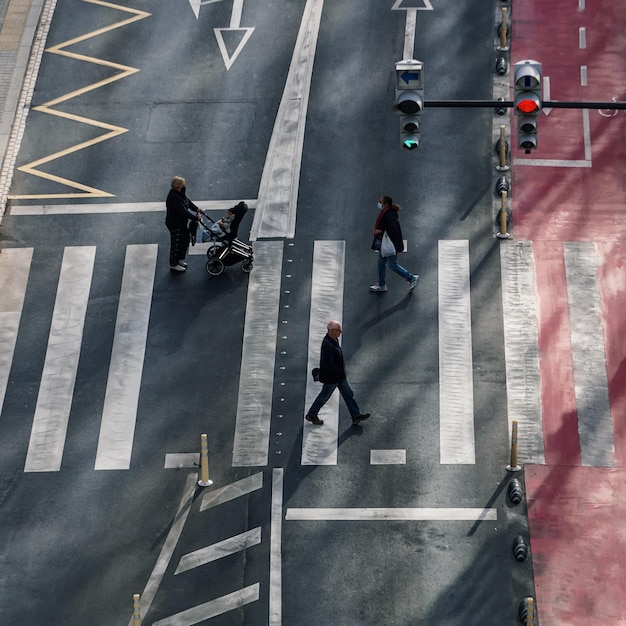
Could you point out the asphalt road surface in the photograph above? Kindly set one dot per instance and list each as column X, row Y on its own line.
column 114, row 366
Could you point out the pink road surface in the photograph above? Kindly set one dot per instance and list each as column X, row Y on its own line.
column 577, row 515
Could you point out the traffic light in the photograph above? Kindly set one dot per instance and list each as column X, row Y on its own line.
column 528, row 102
column 410, row 100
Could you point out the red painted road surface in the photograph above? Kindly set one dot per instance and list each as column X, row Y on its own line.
column 574, row 189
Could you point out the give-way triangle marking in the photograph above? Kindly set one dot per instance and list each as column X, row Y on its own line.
column 241, row 35
column 232, row 38
column 410, row 5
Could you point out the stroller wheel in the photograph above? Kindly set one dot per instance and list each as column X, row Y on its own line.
column 214, row 266
column 246, row 266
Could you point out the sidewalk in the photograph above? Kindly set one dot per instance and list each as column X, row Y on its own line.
column 19, row 24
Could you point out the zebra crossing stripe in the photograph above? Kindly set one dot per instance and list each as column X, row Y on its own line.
column 52, row 412
column 218, row 550
column 456, row 386
column 521, row 351
column 14, row 271
column 216, row 607
column 254, row 401
column 232, row 491
column 595, row 425
column 319, row 445
column 119, row 413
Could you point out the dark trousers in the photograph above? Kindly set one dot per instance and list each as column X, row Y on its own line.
column 179, row 242
column 327, row 390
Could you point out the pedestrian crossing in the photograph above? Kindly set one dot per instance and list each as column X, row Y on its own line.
column 556, row 328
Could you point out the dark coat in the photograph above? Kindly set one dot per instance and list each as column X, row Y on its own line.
column 390, row 224
column 332, row 367
column 179, row 210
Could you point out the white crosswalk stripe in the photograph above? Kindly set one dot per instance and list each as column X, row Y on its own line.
column 319, row 446
column 14, row 271
column 56, row 389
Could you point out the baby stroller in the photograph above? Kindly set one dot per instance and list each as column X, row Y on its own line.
column 224, row 247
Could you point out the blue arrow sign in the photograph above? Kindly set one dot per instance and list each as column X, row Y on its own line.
column 407, row 76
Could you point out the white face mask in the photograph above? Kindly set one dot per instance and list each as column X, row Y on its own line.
column 380, row 206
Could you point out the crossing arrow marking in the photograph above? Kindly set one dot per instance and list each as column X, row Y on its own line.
column 242, row 34
column 196, row 4
column 546, row 94
column 425, row 5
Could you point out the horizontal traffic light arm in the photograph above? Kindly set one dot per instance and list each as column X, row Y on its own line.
column 496, row 104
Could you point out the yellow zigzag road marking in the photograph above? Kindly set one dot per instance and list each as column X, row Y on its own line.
column 114, row 131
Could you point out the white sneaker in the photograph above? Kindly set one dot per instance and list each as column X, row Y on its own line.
column 414, row 282
column 183, row 263
column 177, row 268
column 377, row 287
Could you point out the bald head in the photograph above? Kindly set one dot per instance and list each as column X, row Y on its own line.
column 334, row 328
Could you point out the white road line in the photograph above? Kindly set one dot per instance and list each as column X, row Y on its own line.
column 387, row 457
column 595, row 425
column 278, row 191
column 319, row 444
column 409, row 35
column 117, row 207
column 119, row 413
column 582, row 38
column 219, row 550
column 254, row 401
column 566, row 162
column 399, row 514
column 14, row 271
column 205, row 611
column 232, row 491
column 276, row 526
column 583, row 75
column 456, row 386
column 523, row 382
column 54, row 402
column 176, row 529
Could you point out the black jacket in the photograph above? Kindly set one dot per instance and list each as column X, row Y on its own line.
column 332, row 367
column 390, row 224
column 179, row 210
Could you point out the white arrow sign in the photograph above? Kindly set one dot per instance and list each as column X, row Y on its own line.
column 196, row 4
column 546, row 94
column 240, row 35
column 424, row 5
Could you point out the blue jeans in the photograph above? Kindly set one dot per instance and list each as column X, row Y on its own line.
column 327, row 390
column 393, row 266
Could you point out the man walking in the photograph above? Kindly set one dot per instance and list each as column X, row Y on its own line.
column 332, row 375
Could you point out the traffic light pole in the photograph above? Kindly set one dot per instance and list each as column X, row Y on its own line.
column 496, row 104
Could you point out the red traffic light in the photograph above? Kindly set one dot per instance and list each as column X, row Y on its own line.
column 528, row 106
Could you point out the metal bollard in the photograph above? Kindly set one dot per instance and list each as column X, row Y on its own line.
column 204, row 462
column 502, row 146
column 513, row 467
column 503, row 30
column 501, row 66
column 136, row 611
column 526, row 612
column 503, row 215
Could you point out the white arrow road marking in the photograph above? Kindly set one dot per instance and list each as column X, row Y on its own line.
column 427, row 6
column 409, row 29
column 196, row 4
column 546, row 94
column 235, row 21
